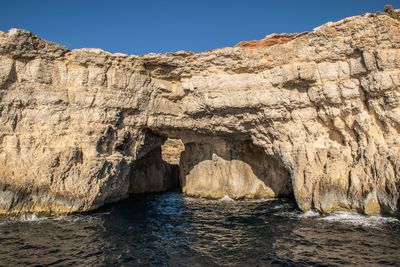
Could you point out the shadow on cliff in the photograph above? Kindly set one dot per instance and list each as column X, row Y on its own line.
column 398, row 200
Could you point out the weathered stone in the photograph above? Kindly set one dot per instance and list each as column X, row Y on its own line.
column 314, row 115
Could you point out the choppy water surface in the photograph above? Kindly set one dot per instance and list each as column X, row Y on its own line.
column 170, row 229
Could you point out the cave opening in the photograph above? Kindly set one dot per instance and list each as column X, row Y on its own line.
column 157, row 169
column 171, row 151
column 209, row 167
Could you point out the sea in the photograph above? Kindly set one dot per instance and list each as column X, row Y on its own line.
column 170, row 229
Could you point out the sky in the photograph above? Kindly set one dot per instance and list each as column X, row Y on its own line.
column 139, row 27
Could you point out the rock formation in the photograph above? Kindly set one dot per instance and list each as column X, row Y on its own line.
column 171, row 151
column 315, row 116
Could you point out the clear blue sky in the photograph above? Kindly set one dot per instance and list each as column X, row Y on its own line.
column 138, row 27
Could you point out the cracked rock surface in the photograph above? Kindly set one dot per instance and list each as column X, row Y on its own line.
column 314, row 115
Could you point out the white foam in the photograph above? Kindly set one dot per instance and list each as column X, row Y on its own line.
column 309, row 214
column 358, row 219
column 34, row 218
column 31, row 218
column 226, row 198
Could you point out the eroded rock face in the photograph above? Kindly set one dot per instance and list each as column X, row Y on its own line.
column 324, row 105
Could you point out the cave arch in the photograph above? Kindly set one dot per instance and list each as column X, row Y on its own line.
column 210, row 167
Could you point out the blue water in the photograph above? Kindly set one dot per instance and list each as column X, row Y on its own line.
column 172, row 230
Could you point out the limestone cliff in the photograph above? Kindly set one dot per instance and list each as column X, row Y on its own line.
column 314, row 115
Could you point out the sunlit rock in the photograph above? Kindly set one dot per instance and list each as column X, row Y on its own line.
column 314, row 115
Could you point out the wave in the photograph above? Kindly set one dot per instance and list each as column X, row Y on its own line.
column 359, row 219
column 226, row 198
column 31, row 218
column 310, row 214
column 35, row 218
